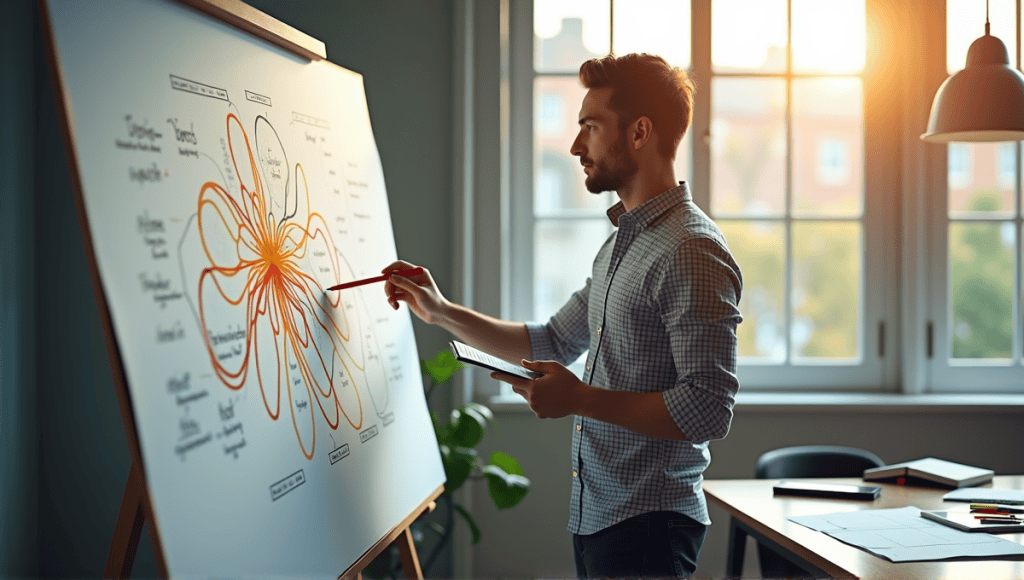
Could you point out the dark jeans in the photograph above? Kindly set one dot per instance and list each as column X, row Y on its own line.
column 651, row 545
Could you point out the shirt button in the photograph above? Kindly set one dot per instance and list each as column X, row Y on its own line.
column 599, row 331
column 578, row 426
column 588, row 367
column 575, row 474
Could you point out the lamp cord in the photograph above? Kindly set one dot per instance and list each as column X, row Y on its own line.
column 986, row 18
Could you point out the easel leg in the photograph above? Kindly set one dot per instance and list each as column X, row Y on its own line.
column 407, row 554
column 128, row 529
column 400, row 539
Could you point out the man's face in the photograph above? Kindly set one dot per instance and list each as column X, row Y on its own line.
column 601, row 145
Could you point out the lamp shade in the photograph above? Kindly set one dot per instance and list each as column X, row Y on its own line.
column 983, row 102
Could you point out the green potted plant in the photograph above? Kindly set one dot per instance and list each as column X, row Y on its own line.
column 457, row 439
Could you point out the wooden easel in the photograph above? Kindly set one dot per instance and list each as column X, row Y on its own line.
column 135, row 506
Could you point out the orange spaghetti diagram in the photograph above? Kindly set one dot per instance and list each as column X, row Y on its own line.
column 266, row 257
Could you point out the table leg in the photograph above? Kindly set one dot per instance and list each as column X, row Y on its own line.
column 737, row 549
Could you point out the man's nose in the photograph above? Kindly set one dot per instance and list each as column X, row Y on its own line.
column 576, row 148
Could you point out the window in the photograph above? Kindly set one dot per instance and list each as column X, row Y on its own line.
column 833, row 165
column 960, row 165
column 797, row 152
column 551, row 114
column 779, row 164
column 568, row 223
column 1007, row 165
column 976, row 318
column 788, row 188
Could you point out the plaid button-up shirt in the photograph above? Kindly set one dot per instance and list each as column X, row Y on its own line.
column 658, row 314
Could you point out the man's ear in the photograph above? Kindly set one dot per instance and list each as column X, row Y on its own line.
column 642, row 131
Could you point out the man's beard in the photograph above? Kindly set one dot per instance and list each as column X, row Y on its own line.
column 612, row 177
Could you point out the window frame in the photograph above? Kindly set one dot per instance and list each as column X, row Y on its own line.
column 879, row 317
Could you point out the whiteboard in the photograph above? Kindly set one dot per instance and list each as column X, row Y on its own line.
column 225, row 183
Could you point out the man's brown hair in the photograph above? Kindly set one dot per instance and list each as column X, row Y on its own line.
column 644, row 85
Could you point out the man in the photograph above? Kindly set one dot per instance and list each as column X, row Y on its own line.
column 659, row 317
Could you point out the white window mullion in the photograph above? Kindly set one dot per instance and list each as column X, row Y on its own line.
column 522, row 174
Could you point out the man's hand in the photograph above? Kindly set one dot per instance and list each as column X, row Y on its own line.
column 419, row 292
column 552, row 396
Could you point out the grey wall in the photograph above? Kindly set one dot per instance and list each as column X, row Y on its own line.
column 62, row 445
column 19, row 533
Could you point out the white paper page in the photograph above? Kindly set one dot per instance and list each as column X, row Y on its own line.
column 902, row 535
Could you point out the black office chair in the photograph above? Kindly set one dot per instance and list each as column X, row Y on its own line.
column 800, row 461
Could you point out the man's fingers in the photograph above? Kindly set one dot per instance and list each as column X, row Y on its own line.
column 516, row 382
column 543, row 366
column 403, row 286
column 397, row 265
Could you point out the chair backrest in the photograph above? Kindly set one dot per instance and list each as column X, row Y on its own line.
column 815, row 461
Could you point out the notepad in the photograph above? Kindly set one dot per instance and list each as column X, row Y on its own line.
column 971, row 522
column 987, row 495
column 934, row 470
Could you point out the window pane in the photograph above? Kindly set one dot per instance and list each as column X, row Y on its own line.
column 981, row 289
column 759, row 250
column 748, row 35
column 828, row 36
column 828, row 147
column 982, row 177
column 683, row 158
column 826, row 302
column 748, row 147
column 558, row 176
column 666, row 35
column 568, row 32
column 563, row 259
column 965, row 22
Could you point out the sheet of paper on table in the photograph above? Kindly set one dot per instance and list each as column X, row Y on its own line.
column 902, row 535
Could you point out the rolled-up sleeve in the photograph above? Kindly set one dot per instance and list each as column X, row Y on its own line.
column 565, row 335
column 698, row 297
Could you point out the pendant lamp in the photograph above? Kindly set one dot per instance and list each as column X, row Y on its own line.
column 984, row 101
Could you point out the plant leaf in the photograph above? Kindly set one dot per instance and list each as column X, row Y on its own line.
column 467, row 427
column 506, row 489
column 440, row 431
column 442, row 367
column 458, row 464
column 469, row 520
column 507, row 463
column 484, row 410
column 486, row 413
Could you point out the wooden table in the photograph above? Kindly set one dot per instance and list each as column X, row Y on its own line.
column 755, row 511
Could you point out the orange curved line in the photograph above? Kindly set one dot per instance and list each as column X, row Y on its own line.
column 307, row 374
column 359, row 398
column 295, row 424
column 218, row 367
column 277, row 289
column 277, row 377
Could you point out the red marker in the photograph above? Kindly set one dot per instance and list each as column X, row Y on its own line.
column 404, row 273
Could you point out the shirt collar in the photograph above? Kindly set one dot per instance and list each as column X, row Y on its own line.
column 648, row 211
